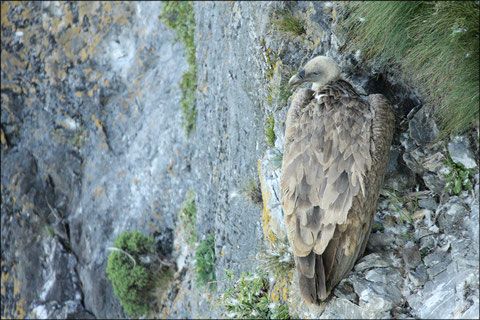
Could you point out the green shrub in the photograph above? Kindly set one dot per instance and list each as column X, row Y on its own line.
column 205, row 263
column 436, row 44
column 188, row 218
column 249, row 298
column 130, row 278
column 459, row 178
column 180, row 16
column 270, row 133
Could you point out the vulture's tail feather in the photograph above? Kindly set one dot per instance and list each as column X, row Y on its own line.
column 311, row 276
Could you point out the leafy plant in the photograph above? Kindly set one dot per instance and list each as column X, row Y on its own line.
column 180, row 16
column 285, row 21
column 249, row 298
column 188, row 218
column 459, row 178
column 130, row 278
column 434, row 43
column 205, row 263
column 270, row 133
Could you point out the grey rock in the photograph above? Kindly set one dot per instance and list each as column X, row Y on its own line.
column 411, row 256
column 418, row 276
column 402, row 179
column 451, row 215
column 269, row 172
column 437, row 262
column 377, row 297
column 428, row 203
column 373, row 260
column 393, row 162
column 380, row 240
column 384, row 275
column 461, row 152
column 474, row 222
column 345, row 290
column 341, row 308
column 422, row 128
column 428, row 241
column 451, row 288
column 438, row 301
column 473, row 311
column 412, row 163
column 66, row 310
column 434, row 162
column 435, row 182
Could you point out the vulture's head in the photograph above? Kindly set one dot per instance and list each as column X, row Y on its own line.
column 320, row 71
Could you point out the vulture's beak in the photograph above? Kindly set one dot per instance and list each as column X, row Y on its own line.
column 297, row 79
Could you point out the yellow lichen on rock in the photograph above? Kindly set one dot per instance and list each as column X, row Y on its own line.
column 266, row 216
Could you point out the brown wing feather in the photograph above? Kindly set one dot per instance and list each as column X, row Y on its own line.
column 323, row 166
column 327, row 156
column 353, row 235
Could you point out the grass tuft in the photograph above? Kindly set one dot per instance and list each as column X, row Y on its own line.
column 405, row 207
column 188, row 218
column 180, row 16
column 205, row 263
column 285, row 21
column 277, row 258
column 436, row 44
column 253, row 191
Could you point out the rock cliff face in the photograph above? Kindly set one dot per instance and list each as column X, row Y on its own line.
column 92, row 146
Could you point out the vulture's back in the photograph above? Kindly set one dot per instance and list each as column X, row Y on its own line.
column 335, row 155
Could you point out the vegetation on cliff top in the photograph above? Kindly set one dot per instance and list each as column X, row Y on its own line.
column 180, row 16
column 436, row 45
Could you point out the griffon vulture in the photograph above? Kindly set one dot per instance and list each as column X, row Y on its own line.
column 335, row 156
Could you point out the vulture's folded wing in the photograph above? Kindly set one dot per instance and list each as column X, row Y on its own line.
column 326, row 156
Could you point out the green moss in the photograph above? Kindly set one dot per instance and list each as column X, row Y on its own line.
column 270, row 133
column 286, row 22
column 180, row 16
column 188, row 218
column 436, row 45
column 249, row 298
column 459, row 178
column 205, row 263
column 131, row 279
